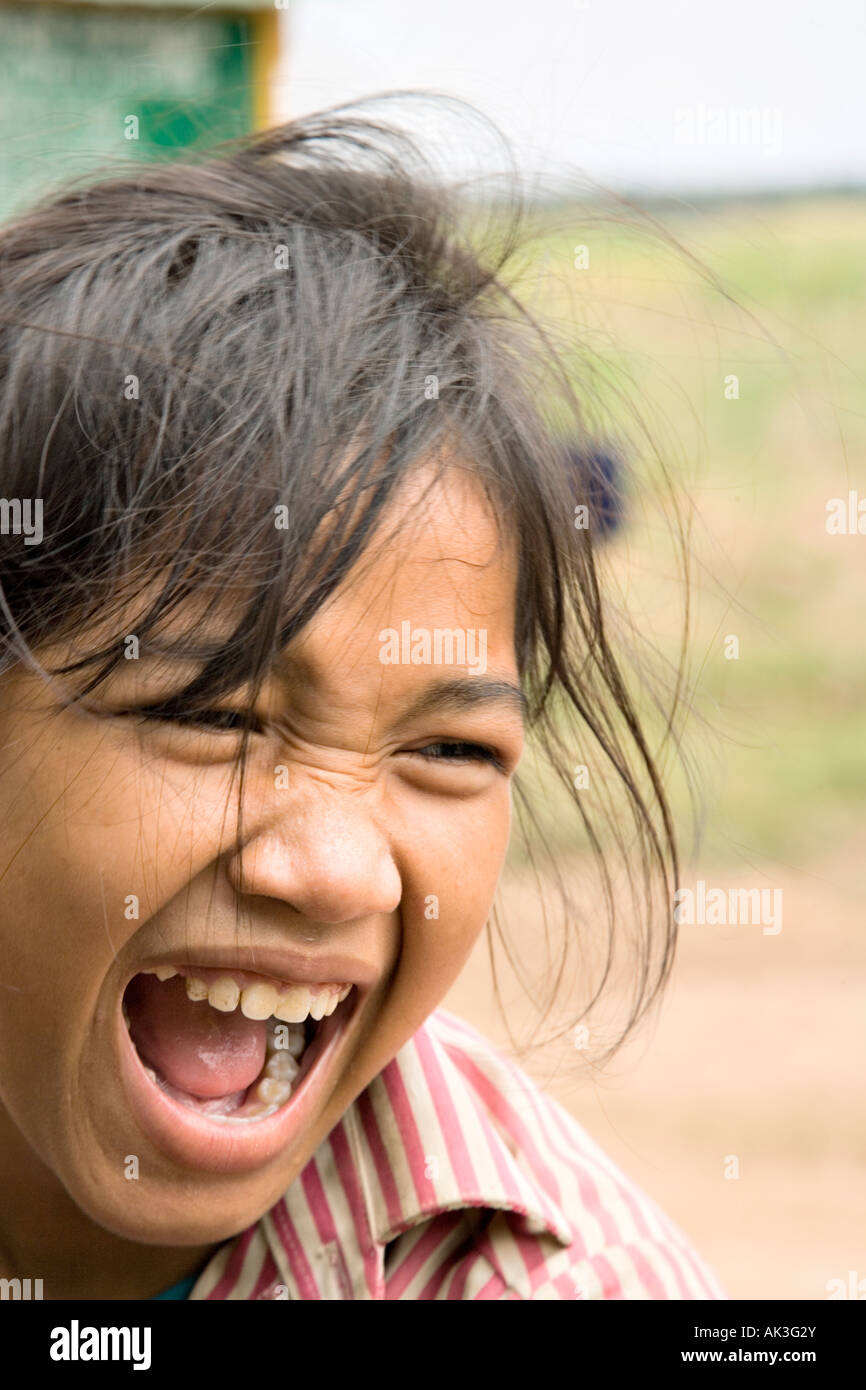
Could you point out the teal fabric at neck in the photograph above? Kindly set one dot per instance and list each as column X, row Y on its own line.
column 180, row 1290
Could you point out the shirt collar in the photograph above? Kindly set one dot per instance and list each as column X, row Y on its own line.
column 422, row 1143
column 447, row 1150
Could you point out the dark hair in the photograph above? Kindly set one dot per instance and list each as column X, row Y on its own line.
column 186, row 347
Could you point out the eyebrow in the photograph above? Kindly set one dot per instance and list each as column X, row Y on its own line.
column 466, row 694
column 456, row 693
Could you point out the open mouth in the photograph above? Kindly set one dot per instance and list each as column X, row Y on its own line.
column 231, row 1046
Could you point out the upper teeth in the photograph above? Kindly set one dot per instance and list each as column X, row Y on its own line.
column 289, row 1003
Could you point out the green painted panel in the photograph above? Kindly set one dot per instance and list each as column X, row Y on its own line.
column 71, row 79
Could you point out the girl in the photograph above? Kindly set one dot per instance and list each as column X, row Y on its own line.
column 290, row 573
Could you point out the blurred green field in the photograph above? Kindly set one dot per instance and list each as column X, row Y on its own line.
column 654, row 326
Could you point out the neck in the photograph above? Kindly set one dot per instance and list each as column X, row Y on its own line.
column 44, row 1235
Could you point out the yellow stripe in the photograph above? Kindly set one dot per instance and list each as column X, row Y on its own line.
column 265, row 34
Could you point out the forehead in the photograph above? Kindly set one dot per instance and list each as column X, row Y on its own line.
column 440, row 558
column 439, row 540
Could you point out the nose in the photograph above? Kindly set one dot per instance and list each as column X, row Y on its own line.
column 325, row 856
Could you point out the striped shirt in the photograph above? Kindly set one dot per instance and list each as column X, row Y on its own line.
column 452, row 1176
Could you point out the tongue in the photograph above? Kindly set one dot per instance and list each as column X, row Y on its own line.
column 195, row 1047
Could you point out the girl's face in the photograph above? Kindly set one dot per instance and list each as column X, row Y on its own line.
column 376, row 816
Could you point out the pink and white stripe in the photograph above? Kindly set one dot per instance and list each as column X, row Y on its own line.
column 454, row 1177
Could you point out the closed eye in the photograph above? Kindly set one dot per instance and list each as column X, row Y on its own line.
column 459, row 752
column 221, row 721
column 229, row 721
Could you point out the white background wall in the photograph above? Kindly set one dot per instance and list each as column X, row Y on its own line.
column 640, row 93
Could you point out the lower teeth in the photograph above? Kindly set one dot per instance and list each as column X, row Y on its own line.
column 281, row 1066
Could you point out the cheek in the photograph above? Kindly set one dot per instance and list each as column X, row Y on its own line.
column 88, row 824
column 449, row 890
column 92, row 841
column 450, row 856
